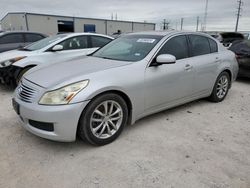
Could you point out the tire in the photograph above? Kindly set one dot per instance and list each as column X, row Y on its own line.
column 221, row 88
column 21, row 73
column 95, row 125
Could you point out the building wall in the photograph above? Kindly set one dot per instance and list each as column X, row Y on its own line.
column 14, row 22
column 143, row 27
column 100, row 25
column 48, row 24
column 45, row 24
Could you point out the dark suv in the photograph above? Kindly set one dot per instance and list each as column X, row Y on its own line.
column 14, row 40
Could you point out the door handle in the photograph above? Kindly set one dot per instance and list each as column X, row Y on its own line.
column 188, row 67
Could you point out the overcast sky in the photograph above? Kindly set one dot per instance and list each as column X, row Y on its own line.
column 221, row 13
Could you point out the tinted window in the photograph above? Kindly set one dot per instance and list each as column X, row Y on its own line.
column 177, row 47
column 199, row 45
column 11, row 38
column 75, row 43
column 99, row 41
column 33, row 37
column 213, row 46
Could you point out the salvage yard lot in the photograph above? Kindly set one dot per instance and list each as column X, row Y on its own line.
column 200, row 144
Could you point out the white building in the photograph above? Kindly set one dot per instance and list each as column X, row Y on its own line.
column 53, row 24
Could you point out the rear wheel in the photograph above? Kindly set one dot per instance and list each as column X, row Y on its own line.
column 221, row 88
column 103, row 119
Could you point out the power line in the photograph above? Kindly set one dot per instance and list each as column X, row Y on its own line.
column 238, row 14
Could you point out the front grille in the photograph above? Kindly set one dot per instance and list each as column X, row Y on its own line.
column 26, row 93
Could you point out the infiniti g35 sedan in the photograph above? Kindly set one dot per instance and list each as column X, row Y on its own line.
column 54, row 49
column 131, row 77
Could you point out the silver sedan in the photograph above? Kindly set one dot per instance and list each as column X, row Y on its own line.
column 133, row 76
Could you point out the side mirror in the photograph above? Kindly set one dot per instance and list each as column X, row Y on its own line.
column 57, row 48
column 165, row 59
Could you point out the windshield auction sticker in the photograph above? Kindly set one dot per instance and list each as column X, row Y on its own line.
column 146, row 40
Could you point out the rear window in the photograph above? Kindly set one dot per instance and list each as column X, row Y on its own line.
column 12, row 38
column 99, row 41
column 230, row 37
column 33, row 37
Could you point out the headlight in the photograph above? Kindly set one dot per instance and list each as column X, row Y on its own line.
column 63, row 95
column 10, row 61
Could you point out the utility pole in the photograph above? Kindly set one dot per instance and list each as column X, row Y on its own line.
column 182, row 20
column 166, row 24
column 238, row 14
column 205, row 17
column 198, row 22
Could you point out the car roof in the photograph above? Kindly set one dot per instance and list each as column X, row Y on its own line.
column 169, row 33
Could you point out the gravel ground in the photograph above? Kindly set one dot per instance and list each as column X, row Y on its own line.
column 200, row 144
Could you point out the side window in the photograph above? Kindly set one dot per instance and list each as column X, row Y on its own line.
column 33, row 37
column 99, row 41
column 199, row 45
column 177, row 47
column 12, row 38
column 213, row 46
column 75, row 43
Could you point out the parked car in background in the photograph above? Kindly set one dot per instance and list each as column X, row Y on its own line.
column 227, row 38
column 58, row 48
column 129, row 78
column 11, row 40
column 242, row 50
column 246, row 35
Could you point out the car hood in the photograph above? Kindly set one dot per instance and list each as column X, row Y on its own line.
column 69, row 71
column 14, row 53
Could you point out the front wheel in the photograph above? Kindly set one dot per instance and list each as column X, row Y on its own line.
column 103, row 119
column 221, row 88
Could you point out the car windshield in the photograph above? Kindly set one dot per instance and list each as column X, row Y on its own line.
column 129, row 47
column 43, row 43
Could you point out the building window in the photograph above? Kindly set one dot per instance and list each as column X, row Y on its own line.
column 90, row 28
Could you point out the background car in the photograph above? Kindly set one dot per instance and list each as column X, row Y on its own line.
column 246, row 35
column 242, row 50
column 13, row 40
column 129, row 78
column 227, row 38
column 58, row 48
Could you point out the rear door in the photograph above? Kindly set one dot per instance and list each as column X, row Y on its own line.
column 11, row 41
column 170, row 83
column 205, row 57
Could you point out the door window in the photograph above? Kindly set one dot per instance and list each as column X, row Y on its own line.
column 99, row 41
column 176, row 46
column 75, row 43
column 12, row 38
column 199, row 45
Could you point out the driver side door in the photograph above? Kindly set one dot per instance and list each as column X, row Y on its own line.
column 169, row 84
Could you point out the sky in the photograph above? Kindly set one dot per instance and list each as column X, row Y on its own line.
column 221, row 13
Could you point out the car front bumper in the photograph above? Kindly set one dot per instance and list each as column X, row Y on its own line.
column 63, row 118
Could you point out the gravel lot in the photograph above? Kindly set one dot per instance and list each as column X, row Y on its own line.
column 200, row 144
